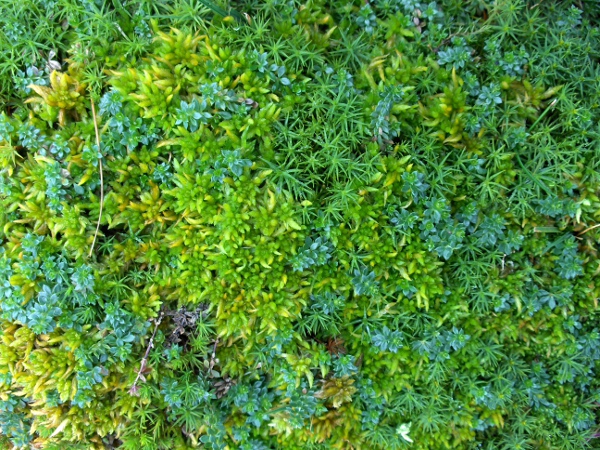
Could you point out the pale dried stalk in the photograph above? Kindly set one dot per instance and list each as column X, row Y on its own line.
column 144, row 362
column 101, row 176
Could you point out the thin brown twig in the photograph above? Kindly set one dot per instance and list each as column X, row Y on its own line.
column 536, row 5
column 214, row 355
column 144, row 362
column 101, row 176
column 589, row 229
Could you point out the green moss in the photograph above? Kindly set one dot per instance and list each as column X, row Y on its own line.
column 321, row 225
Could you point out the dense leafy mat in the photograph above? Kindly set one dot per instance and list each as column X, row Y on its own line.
column 320, row 225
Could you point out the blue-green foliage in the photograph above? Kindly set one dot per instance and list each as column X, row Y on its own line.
column 323, row 313
column 457, row 55
column 162, row 173
column 366, row 19
column 557, row 208
column 184, row 395
column 516, row 137
column 30, row 137
column 489, row 96
column 6, row 128
column 511, row 242
column 125, row 133
column 437, row 345
column 230, row 163
column 315, row 252
column 568, row 264
column 32, row 75
column 388, row 340
column 59, row 149
column 13, row 423
column 414, row 184
column 403, row 220
column 41, row 314
column 123, row 330
column 215, row 434
column 111, row 104
column 255, row 401
column 86, row 379
column 447, row 238
column 275, row 73
column 490, row 231
column 68, row 300
column 192, row 114
column 373, row 404
column 344, row 365
column 380, row 118
column 223, row 100
column 55, row 181
column 514, row 62
column 301, row 407
column 365, row 283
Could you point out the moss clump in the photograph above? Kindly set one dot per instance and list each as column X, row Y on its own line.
column 316, row 226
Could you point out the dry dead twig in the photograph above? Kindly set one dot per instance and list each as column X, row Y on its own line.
column 101, row 177
column 144, row 364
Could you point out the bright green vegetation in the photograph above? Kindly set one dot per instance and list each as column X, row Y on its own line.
column 328, row 225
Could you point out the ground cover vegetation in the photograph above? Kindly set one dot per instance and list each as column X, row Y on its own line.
column 320, row 225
